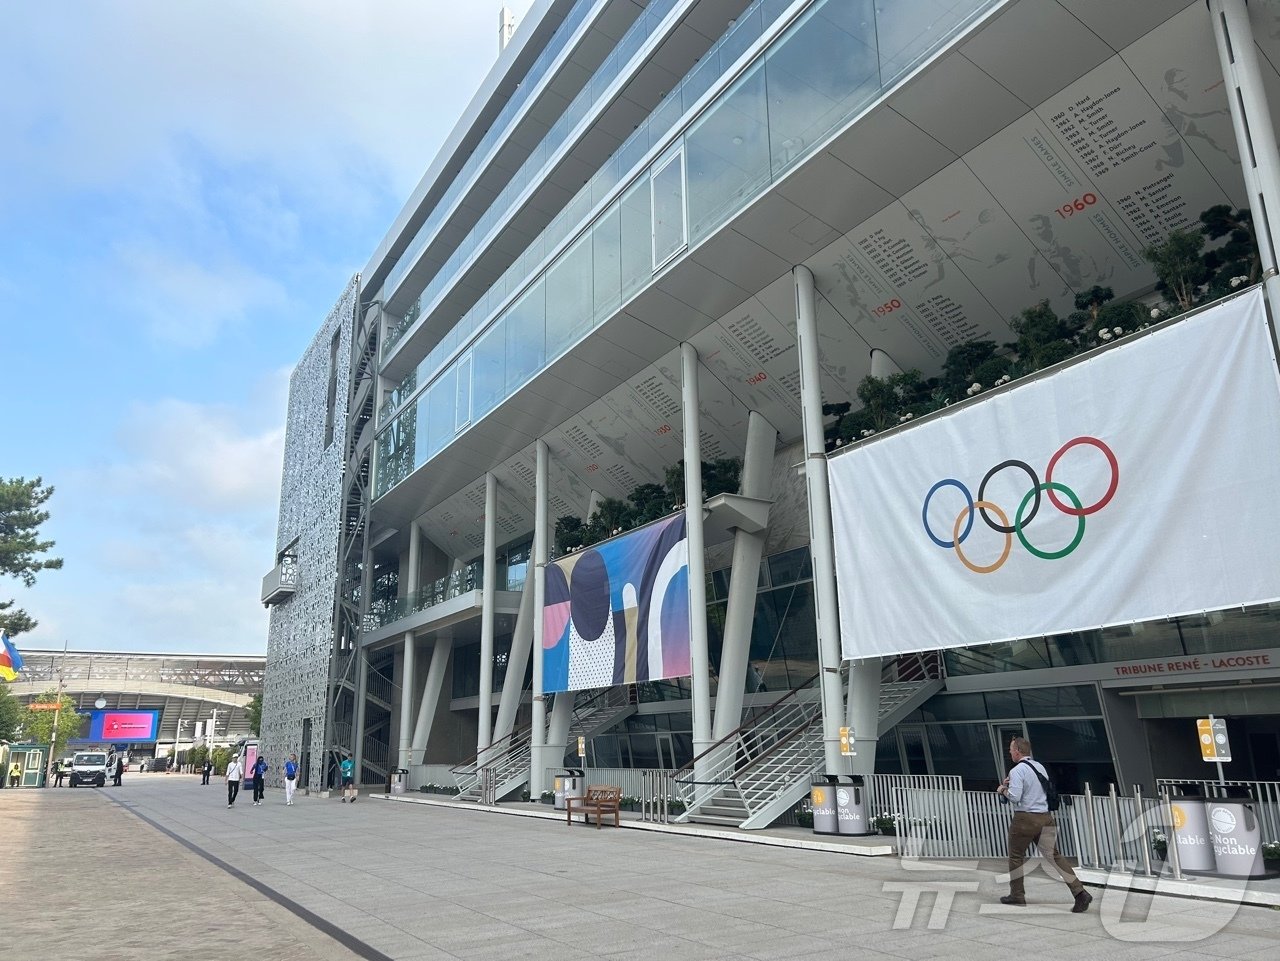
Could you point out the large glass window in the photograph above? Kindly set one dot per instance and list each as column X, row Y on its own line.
column 666, row 185
column 489, row 369
column 570, row 297
column 441, row 413
column 526, row 336
column 606, row 263
column 825, row 71
column 637, row 238
column 908, row 30
column 727, row 153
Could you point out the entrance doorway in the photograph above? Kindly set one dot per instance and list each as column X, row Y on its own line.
column 1002, row 732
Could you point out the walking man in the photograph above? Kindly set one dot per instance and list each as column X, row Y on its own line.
column 59, row 772
column 234, row 773
column 259, row 779
column 348, row 768
column 290, row 777
column 1026, row 788
column 119, row 773
column 206, row 770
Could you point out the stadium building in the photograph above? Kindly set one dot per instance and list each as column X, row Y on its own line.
column 683, row 233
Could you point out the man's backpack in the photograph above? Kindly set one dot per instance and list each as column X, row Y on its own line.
column 1053, row 800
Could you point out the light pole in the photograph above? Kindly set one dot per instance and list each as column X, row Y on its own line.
column 57, row 711
column 177, row 738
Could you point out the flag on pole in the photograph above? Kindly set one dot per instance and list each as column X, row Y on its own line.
column 10, row 659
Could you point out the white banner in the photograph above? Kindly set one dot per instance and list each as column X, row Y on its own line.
column 1140, row 484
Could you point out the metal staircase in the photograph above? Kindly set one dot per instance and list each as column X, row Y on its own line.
column 756, row 773
column 505, row 764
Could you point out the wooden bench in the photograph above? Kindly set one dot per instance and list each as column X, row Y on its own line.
column 600, row 798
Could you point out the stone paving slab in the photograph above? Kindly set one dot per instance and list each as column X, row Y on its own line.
column 416, row 882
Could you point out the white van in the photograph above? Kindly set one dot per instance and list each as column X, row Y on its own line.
column 90, row 767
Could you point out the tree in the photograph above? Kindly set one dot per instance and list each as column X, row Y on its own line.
column 37, row 726
column 1179, row 265
column 254, row 710
column 21, row 551
column 10, row 715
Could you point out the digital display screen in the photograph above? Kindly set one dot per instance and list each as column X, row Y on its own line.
column 121, row 726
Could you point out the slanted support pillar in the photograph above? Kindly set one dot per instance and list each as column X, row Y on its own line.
column 820, row 539
column 744, row 578
column 430, row 697
column 484, row 729
column 362, row 671
column 1255, row 134
column 699, row 659
column 541, row 555
column 513, row 683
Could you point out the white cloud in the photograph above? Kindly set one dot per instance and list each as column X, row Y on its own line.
column 200, row 457
column 188, row 304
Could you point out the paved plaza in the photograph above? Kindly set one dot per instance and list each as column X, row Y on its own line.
column 161, row 869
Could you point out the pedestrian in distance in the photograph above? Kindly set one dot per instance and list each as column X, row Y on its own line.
column 259, row 779
column 15, row 774
column 234, row 773
column 206, row 770
column 1028, row 789
column 290, row 777
column 348, row 768
column 59, row 772
column 119, row 772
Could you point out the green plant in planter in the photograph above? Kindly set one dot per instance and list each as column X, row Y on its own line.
column 524, row 795
column 886, row 823
column 547, row 797
column 804, row 819
column 1271, row 851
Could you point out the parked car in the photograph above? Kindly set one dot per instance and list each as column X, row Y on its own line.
column 90, row 767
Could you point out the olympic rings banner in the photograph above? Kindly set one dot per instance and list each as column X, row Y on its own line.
column 618, row 612
column 1140, row 484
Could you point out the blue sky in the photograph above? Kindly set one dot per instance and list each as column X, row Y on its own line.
column 185, row 189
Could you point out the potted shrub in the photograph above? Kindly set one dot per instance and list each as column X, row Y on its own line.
column 886, row 824
column 524, row 795
column 547, row 797
column 1271, row 855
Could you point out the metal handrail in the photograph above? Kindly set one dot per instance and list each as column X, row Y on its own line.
column 741, row 728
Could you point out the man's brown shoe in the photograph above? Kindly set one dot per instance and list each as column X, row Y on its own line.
column 1010, row 899
column 1083, row 900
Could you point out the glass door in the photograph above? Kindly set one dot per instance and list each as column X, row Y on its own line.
column 666, row 751
column 1002, row 732
column 913, row 747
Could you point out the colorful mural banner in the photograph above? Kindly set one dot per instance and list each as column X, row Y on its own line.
column 618, row 612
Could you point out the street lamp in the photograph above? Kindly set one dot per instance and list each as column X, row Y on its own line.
column 177, row 737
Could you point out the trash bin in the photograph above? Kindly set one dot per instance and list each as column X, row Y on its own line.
column 399, row 780
column 822, row 799
column 851, row 807
column 568, row 783
column 1237, row 838
column 1191, row 830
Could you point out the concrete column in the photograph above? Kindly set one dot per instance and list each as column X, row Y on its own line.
column 430, row 696
column 415, row 560
column 541, row 554
column 1255, row 134
column 699, row 658
column 513, row 683
column 558, row 735
column 882, row 365
column 757, row 466
column 820, row 539
column 484, row 729
column 407, row 686
column 864, row 713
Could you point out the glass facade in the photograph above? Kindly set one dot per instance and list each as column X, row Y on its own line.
column 1249, row 628
column 738, row 124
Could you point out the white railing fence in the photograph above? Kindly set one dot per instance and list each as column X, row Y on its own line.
column 1100, row 831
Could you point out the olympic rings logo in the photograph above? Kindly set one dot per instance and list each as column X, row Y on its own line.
column 1026, row 511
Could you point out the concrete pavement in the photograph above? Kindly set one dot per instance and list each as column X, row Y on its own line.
column 418, row 882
